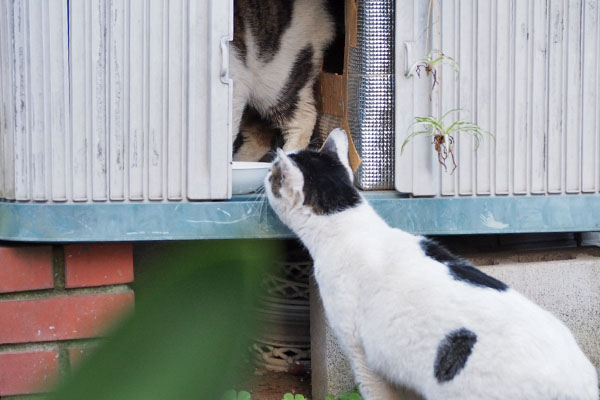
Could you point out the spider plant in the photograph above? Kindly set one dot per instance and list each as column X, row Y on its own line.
column 429, row 63
column 443, row 134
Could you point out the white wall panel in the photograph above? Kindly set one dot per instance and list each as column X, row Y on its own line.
column 466, row 92
column 484, row 92
column 115, row 100
column 7, row 113
column 528, row 73
column 537, row 99
column 449, row 42
column 503, row 117
column 590, row 100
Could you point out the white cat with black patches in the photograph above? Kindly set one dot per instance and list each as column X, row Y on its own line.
column 275, row 58
column 409, row 313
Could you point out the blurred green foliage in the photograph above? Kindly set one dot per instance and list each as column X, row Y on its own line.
column 352, row 395
column 290, row 396
column 190, row 328
column 233, row 395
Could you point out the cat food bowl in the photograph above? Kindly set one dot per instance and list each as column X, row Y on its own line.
column 248, row 177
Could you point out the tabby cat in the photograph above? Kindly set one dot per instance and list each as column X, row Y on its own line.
column 276, row 55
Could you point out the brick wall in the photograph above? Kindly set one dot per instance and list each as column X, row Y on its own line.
column 55, row 304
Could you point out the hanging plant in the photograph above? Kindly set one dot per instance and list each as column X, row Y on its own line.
column 443, row 135
column 439, row 128
column 429, row 64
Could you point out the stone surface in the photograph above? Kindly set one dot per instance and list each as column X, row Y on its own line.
column 331, row 372
column 565, row 282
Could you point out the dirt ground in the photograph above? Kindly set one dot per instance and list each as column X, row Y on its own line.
column 273, row 385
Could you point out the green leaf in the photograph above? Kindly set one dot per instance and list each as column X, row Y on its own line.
column 288, row 396
column 243, row 395
column 299, row 397
column 329, row 397
column 229, row 395
column 354, row 396
column 412, row 135
column 192, row 321
column 450, row 112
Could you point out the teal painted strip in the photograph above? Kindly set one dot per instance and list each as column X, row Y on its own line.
column 245, row 217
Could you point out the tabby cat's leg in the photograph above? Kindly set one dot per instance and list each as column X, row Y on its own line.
column 257, row 141
column 371, row 385
column 298, row 130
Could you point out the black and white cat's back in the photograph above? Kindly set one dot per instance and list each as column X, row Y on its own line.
column 276, row 54
column 459, row 268
column 408, row 312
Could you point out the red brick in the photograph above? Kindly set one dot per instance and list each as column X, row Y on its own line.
column 60, row 318
column 98, row 264
column 25, row 268
column 27, row 372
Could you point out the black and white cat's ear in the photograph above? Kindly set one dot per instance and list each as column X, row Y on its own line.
column 285, row 163
column 337, row 143
column 293, row 179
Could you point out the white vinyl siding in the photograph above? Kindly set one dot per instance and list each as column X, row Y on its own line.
column 528, row 73
column 115, row 100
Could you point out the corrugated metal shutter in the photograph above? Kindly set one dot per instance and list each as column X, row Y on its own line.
column 529, row 72
column 115, row 100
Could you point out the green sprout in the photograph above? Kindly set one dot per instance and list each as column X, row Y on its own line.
column 429, row 64
column 290, row 396
column 233, row 395
column 352, row 395
column 443, row 134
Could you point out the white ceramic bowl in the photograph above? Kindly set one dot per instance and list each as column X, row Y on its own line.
column 248, row 176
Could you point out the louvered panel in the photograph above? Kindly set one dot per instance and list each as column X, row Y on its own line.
column 448, row 78
column 573, row 95
column 80, row 83
column 466, row 92
column 208, row 116
column 404, row 89
column 19, row 39
column 118, row 68
column 555, row 97
column 502, row 129
column 112, row 102
column 484, row 93
column 520, row 81
column 176, row 131
column 58, row 59
column 7, row 116
column 220, row 90
column 537, row 102
column 424, row 184
column 137, row 93
column 590, row 103
column 99, row 86
column 529, row 73
column 37, row 71
column 157, row 30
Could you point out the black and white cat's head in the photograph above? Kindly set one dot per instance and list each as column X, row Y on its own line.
column 308, row 182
